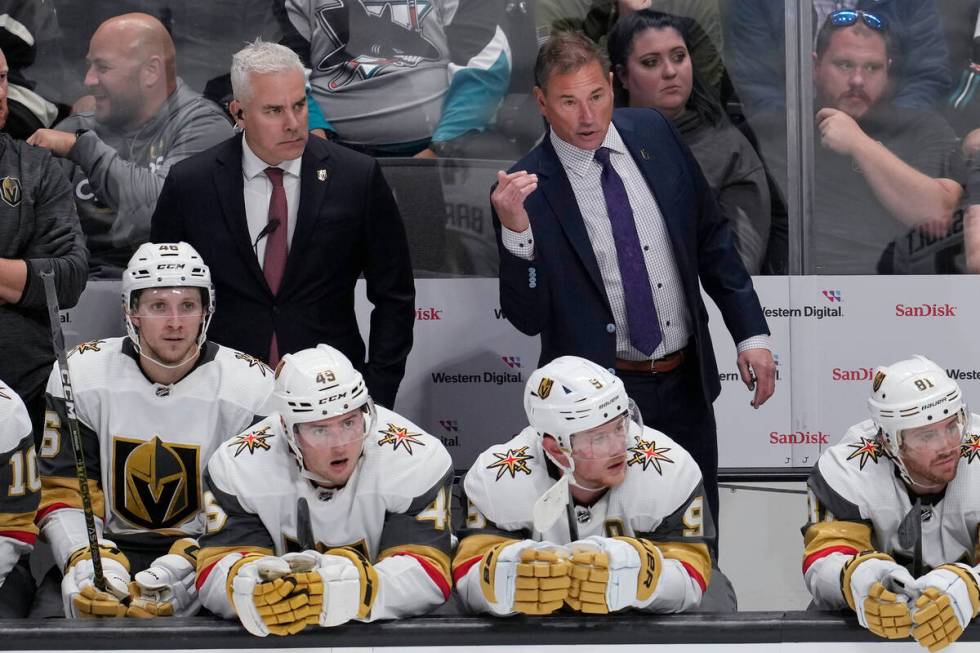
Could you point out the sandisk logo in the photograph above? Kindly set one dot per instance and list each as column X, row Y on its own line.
column 925, row 310
column 431, row 313
column 799, row 437
column 857, row 374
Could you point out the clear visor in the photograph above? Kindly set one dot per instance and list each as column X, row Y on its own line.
column 334, row 431
column 604, row 441
column 946, row 433
column 169, row 303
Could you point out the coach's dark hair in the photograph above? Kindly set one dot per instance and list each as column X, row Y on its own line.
column 827, row 30
column 621, row 38
column 565, row 52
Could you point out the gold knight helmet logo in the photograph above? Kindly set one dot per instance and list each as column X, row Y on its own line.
column 10, row 191
column 156, row 484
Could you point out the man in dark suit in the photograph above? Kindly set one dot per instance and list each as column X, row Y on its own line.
column 287, row 225
column 604, row 231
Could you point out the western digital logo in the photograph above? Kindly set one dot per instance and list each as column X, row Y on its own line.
column 818, row 312
column 484, row 377
column 832, row 295
column 963, row 375
column 513, row 362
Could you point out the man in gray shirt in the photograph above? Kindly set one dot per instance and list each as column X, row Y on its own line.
column 145, row 119
column 39, row 231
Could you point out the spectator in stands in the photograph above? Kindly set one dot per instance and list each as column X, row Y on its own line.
column 145, row 120
column 288, row 224
column 880, row 169
column 650, row 56
column 39, row 231
column 403, row 78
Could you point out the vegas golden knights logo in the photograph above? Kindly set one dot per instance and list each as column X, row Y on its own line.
column 544, row 388
column 155, row 484
column 10, row 191
column 879, row 377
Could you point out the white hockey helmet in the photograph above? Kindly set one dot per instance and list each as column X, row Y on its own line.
column 316, row 384
column 166, row 265
column 572, row 394
column 908, row 394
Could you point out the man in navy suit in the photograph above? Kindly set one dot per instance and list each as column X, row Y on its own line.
column 287, row 224
column 604, row 230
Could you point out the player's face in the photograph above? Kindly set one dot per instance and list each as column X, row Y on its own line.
column 658, row 71
column 931, row 453
column 332, row 446
column 600, row 453
column 169, row 321
column 852, row 74
column 275, row 116
column 113, row 78
column 578, row 105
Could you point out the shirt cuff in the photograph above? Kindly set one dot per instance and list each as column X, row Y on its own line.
column 760, row 341
column 520, row 244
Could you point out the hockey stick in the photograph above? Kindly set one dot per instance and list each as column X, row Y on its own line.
column 304, row 528
column 58, row 342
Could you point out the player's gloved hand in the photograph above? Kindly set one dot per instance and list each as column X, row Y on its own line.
column 350, row 586
column 878, row 590
column 949, row 600
column 613, row 573
column 270, row 597
column 529, row 577
column 166, row 588
column 78, row 592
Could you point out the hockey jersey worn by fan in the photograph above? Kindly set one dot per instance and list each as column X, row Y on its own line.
column 393, row 511
column 145, row 444
column 661, row 500
column 859, row 503
column 19, row 482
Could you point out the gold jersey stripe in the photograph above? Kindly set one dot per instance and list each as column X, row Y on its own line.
column 696, row 555
column 63, row 490
column 211, row 555
column 18, row 521
column 475, row 546
column 827, row 534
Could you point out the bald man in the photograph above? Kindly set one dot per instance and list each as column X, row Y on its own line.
column 144, row 120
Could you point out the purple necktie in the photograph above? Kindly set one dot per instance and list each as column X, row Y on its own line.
column 276, row 247
column 641, row 313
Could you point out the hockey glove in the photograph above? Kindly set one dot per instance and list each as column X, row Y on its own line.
column 529, row 577
column 878, row 590
column 950, row 599
column 78, row 592
column 166, row 588
column 613, row 573
column 271, row 597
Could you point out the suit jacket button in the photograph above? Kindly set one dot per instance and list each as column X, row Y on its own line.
column 611, row 328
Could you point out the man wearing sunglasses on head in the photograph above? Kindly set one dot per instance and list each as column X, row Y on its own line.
column 151, row 409
column 585, row 508
column 880, row 170
column 330, row 509
column 894, row 512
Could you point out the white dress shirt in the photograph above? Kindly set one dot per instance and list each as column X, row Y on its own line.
column 584, row 174
column 258, row 192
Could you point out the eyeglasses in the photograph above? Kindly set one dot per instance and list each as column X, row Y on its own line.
column 846, row 17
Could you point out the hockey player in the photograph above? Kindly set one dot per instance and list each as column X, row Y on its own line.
column 330, row 509
column 151, row 408
column 639, row 532
column 21, row 491
column 894, row 510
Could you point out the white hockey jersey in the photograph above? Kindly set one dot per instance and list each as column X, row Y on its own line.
column 145, row 444
column 393, row 511
column 858, row 503
column 18, row 479
column 661, row 499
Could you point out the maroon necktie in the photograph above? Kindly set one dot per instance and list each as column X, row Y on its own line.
column 276, row 248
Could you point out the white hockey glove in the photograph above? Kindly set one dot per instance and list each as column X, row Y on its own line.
column 949, row 600
column 166, row 588
column 878, row 590
column 529, row 577
column 613, row 573
column 78, row 592
column 271, row 597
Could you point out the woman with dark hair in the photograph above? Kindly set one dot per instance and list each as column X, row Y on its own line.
column 649, row 54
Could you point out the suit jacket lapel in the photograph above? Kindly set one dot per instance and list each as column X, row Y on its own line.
column 315, row 176
column 231, row 194
column 559, row 194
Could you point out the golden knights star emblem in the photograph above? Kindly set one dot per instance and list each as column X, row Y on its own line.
column 515, row 460
column 398, row 436
column 87, row 346
column 970, row 448
column 252, row 441
column 647, row 453
column 253, row 362
column 867, row 450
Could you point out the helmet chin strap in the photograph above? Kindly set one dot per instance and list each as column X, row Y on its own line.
column 569, row 471
column 189, row 357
